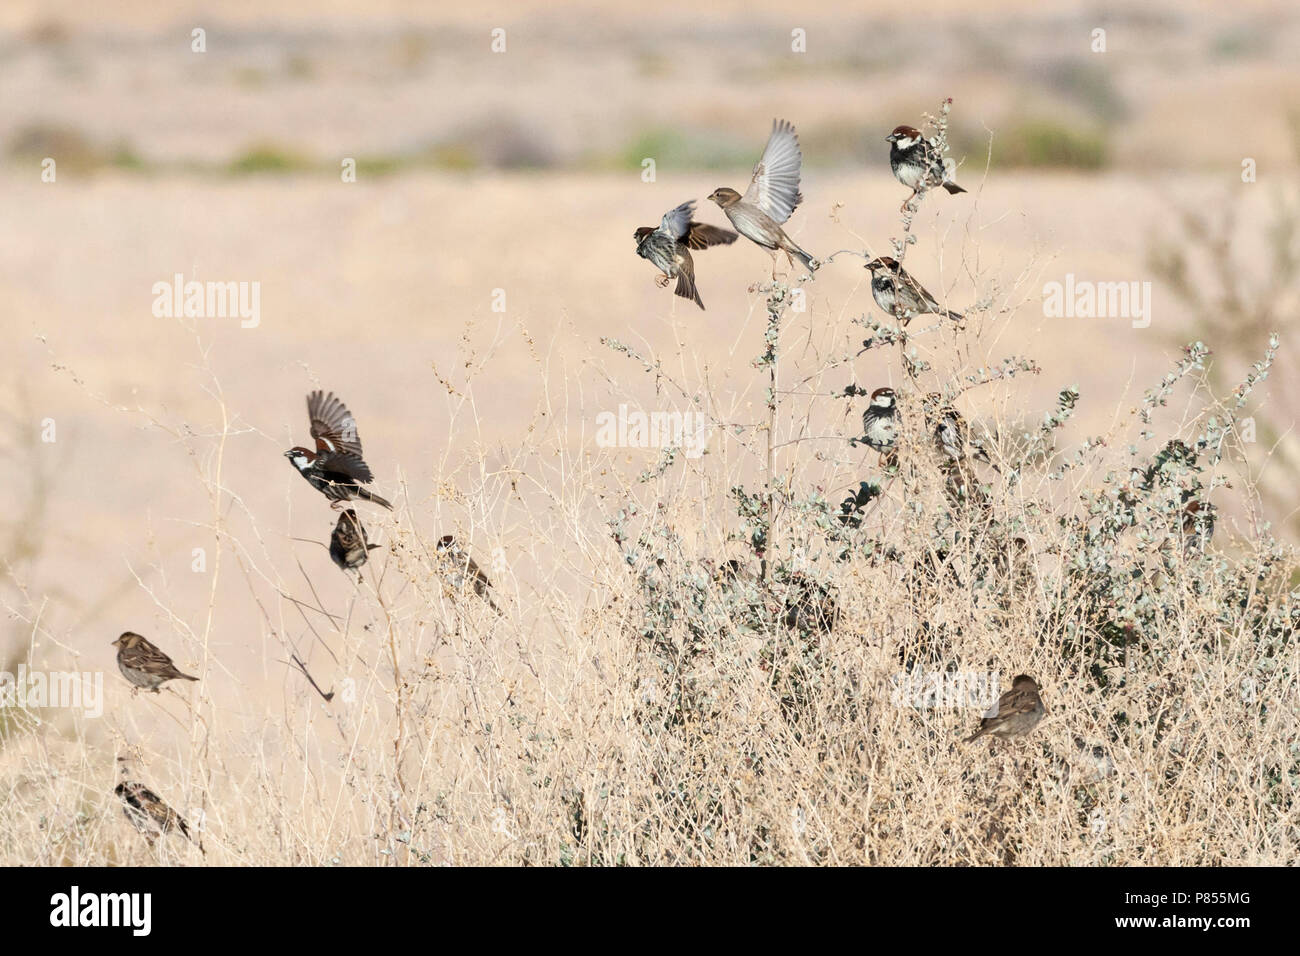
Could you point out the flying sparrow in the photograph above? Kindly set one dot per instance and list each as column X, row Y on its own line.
column 669, row 247
column 1019, row 711
column 348, row 545
column 148, row 814
column 336, row 468
column 461, row 570
column 899, row 294
column 772, row 196
column 916, row 163
column 879, row 421
column 143, row 664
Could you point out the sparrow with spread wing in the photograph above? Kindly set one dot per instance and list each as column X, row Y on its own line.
column 336, row 468
column 772, row 196
column 669, row 247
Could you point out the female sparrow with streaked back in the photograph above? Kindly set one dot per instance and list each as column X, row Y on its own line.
column 1019, row 711
column 143, row 664
column 917, row 163
column 669, row 247
column 772, row 196
column 148, row 814
column 348, row 545
column 899, row 294
column 336, row 468
column 463, row 571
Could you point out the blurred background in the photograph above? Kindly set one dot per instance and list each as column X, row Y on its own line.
column 520, row 171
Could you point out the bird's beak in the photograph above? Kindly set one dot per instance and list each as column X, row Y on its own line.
column 891, row 138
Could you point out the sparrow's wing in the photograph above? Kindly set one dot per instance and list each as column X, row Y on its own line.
column 146, row 654
column 677, row 221
column 332, row 425
column 345, row 463
column 1016, row 702
column 701, row 236
column 775, row 187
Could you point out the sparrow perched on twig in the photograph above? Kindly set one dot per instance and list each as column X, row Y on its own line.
column 336, row 468
column 879, row 421
column 899, row 294
column 951, row 434
column 348, row 545
column 917, row 163
column 772, row 196
column 143, row 664
column 148, row 814
column 669, row 247
column 1019, row 711
column 462, row 570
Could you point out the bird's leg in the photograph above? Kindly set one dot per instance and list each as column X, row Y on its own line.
column 772, row 253
column 336, row 505
column 661, row 280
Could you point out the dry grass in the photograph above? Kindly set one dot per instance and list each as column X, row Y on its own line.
column 633, row 707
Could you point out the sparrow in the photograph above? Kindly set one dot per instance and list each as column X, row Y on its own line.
column 916, row 163
column 899, row 294
column 462, row 570
column 336, row 468
column 809, row 605
column 1198, row 524
column 772, row 196
column 950, row 435
column 669, row 247
column 143, row 664
column 348, row 545
column 1019, row 711
column 878, row 421
column 148, row 814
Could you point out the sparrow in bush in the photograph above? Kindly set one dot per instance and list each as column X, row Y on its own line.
column 1198, row 525
column 899, row 294
column 336, row 468
column 148, row 814
column 917, row 163
column 809, row 605
column 951, row 433
column 878, row 421
column 1019, row 711
column 772, row 196
column 462, row 570
column 143, row 664
column 348, row 545
column 669, row 247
